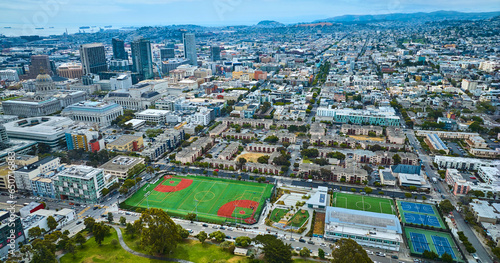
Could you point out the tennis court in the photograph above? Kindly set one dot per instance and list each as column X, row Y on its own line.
column 211, row 199
column 421, row 240
column 421, row 219
column 417, row 208
column 420, row 214
column 363, row 203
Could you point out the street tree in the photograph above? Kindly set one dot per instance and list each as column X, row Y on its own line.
column 347, row 250
column 191, row 217
column 123, row 221
column 89, row 223
column 110, row 217
column 218, row 236
column 51, row 223
column 446, row 206
column 304, row 252
column 202, row 236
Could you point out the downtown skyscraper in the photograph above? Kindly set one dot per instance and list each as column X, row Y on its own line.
column 190, row 48
column 142, row 58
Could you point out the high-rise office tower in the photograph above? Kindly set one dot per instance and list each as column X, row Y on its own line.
column 190, row 48
column 141, row 58
column 40, row 64
column 119, row 49
column 93, row 58
column 167, row 53
column 215, row 53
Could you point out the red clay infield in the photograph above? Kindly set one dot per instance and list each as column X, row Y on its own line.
column 183, row 184
column 227, row 209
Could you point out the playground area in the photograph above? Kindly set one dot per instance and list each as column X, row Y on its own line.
column 211, row 199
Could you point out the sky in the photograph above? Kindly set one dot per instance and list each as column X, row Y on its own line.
column 45, row 13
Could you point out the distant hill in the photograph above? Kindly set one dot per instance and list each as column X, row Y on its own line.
column 270, row 23
column 409, row 17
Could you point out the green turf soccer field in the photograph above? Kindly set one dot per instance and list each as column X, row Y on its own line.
column 363, row 203
column 212, row 199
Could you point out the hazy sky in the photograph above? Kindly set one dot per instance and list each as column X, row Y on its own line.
column 212, row 12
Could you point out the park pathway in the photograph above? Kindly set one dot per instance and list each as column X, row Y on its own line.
column 124, row 246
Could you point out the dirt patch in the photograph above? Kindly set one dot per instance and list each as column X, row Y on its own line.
column 367, row 138
column 251, row 157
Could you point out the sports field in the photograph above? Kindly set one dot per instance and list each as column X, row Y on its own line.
column 420, row 214
column 363, row 203
column 439, row 242
column 211, row 199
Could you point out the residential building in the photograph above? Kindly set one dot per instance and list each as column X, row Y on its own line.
column 82, row 183
column 167, row 53
column 86, row 139
column 483, row 212
column 126, row 143
column 93, row 57
column 462, row 163
column 25, row 174
column 229, row 151
column 165, row 142
column 121, row 165
column 361, row 130
column 383, row 116
column 265, row 148
column 395, row 135
column 459, row 185
column 195, row 150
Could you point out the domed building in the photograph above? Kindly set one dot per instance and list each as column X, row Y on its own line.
column 44, row 84
column 47, row 99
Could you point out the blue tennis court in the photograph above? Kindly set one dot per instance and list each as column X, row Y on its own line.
column 419, row 242
column 420, row 219
column 417, row 208
column 442, row 246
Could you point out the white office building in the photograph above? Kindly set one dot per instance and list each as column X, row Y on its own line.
column 93, row 112
column 48, row 130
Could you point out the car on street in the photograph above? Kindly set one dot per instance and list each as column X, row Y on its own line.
column 204, row 225
column 474, row 255
column 78, row 222
column 302, row 240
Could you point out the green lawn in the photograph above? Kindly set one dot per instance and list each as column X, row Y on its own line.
column 299, row 218
column 363, row 203
column 305, row 160
column 91, row 252
column 193, row 251
column 277, row 214
column 206, row 197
